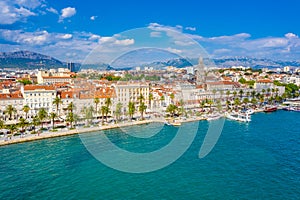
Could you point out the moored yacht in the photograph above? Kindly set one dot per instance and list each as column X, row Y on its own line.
column 242, row 117
column 213, row 117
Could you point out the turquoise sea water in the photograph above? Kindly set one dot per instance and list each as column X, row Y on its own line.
column 259, row 160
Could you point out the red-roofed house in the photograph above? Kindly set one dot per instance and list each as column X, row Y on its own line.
column 39, row 96
column 15, row 99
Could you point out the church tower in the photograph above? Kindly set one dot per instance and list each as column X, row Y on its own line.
column 200, row 72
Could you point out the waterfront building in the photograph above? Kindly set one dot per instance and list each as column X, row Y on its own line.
column 131, row 91
column 16, row 100
column 38, row 96
column 62, row 75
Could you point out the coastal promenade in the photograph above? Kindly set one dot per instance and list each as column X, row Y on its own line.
column 45, row 135
column 81, row 130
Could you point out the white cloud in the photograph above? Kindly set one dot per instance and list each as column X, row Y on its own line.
column 11, row 13
column 230, row 39
column 94, row 37
column 76, row 45
column 275, row 42
column 66, row 13
column 106, row 39
column 184, row 42
column 222, row 51
column 25, row 38
column 291, row 35
column 65, row 36
column 31, row 4
column 93, row 18
column 190, row 28
column 173, row 50
column 125, row 42
column 155, row 34
column 52, row 10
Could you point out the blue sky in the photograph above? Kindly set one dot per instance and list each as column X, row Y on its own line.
column 70, row 29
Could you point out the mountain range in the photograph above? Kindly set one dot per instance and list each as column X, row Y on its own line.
column 28, row 60
column 32, row 60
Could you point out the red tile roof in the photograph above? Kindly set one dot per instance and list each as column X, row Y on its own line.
column 265, row 81
column 38, row 87
column 15, row 95
column 56, row 77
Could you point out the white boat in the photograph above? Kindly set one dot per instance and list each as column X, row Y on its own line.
column 213, row 117
column 242, row 117
column 167, row 123
column 176, row 123
column 249, row 111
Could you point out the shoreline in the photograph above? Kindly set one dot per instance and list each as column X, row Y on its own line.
column 47, row 135
column 75, row 131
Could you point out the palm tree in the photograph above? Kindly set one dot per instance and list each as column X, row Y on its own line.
column 2, row 125
column 247, row 93
column 118, row 111
column 142, row 109
column 108, row 102
column 70, row 118
column 273, row 91
column 202, row 104
column 96, row 101
column 228, row 94
column 22, row 124
column 253, row 94
column 150, row 99
column 284, row 96
column 57, row 101
column 254, row 101
column 262, row 99
column 181, row 104
column 131, row 109
column 219, row 105
column 214, row 93
column 71, row 107
column 234, row 94
column 210, row 103
column 172, row 109
column 241, row 92
column 107, row 110
column 268, row 90
column 221, row 94
column 172, row 96
column 263, row 91
column 246, row 100
column 12, row 128
column 26, row 109
column 162, row 98
column 141, row 98
column 237, row 102
column 10, row 110
column 103, row 112
column 35, row 122
column 276, row 90
column 53, row 116
column 278, row 98
column 42, row 115
column 227, row 104
column 89, row 113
